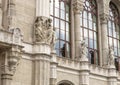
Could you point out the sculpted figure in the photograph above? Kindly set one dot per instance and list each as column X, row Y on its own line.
column 84, row 50
column 39, row 32
column 111, row 56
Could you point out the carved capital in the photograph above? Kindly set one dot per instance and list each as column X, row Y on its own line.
column 77, row 6
column 104, row 18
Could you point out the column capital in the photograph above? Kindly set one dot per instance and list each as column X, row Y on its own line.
column 104, row 18
column 77, row 6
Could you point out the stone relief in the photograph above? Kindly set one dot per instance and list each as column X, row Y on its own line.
column 44, row 32
column 111, row 56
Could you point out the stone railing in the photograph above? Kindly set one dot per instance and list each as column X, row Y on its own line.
column 13, row 36
column 98, row 70
column 68, row 63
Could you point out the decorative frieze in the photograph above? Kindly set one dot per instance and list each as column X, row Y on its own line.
column 77, row 6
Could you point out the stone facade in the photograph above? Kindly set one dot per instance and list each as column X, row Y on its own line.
column 27, row 54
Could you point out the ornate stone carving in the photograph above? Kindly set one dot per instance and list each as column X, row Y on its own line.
column 83, row 50
column 111, row 56
column 43, row 30
column 77, row 6
column 104, row 18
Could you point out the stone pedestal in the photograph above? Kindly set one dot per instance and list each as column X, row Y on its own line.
column 53, row 69
column 112, row 75
column 42, row 63
column 77, row 8
column 84, row 71
column 104, row 38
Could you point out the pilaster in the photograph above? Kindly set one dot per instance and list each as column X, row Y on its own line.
column 77, row 8
column 53, row 68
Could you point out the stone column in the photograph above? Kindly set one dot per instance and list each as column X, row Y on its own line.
column 77, row 8
column 53, row 69
column 42, row 64
column 104, row 38
column 42, row 8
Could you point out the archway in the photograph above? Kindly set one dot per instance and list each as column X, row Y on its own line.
column 65, row 82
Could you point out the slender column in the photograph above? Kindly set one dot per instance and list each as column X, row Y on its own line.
column 8, row 8
column 104, row 38
column 77, row 8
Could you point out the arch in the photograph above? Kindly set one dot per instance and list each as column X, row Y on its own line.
column 65, row 82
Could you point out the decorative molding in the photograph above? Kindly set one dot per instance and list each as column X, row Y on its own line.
column 77, row 6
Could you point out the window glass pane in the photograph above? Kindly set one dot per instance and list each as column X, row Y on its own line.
column 110, row 32
column 85, row 15
column 85, row 23
column 57, row 33
column 57, row 44
column 62, row 48
column 115, row 50
column 90, row 16
column 56, row 12
column 62, row 5
column 67, row 36
column 57, row 3
column 91, row 34
column 95, row 38
column 90, row 24
column 91, row 43
column 56, row 23
column 94, row 25
column 62, row 14
column 62, row 34
column 95, row 44
column 67, row 50
column 85, row 33
column 62, row 25
column 115, row 42
column 67, row 26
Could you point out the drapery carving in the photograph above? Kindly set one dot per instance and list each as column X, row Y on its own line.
column 111, row 56
column 44, row 31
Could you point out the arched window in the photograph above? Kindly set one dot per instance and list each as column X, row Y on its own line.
column 60, row 15
column 114, row 31
column 89, row 29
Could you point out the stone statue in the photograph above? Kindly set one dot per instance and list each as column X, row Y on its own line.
column 83, row 49
column 111, row 56
column 38, row 26
column 44, row 31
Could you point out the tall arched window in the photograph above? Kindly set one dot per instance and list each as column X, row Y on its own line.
column 89, row 29
column 60, row 15
column 114, row 31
